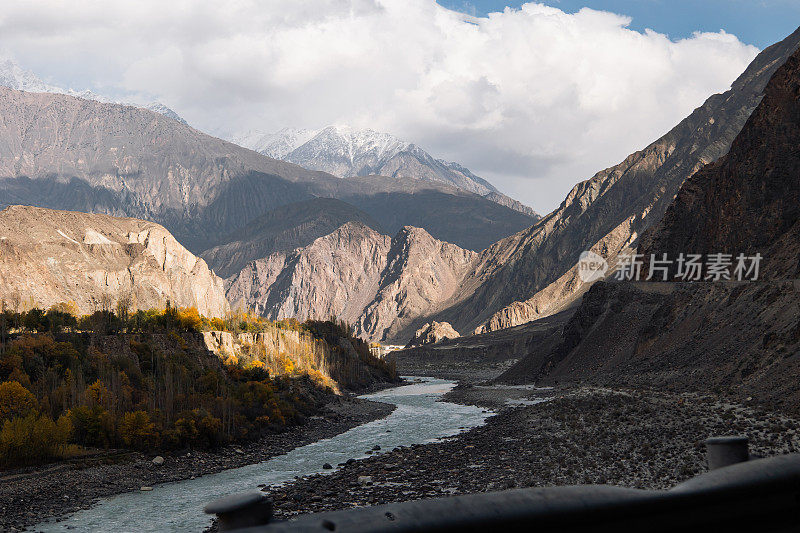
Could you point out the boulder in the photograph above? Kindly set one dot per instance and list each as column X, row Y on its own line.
column 432, row 333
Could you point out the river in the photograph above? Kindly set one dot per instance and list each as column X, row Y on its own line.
column 177, row 507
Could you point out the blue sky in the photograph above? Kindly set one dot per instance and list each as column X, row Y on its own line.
column 756, row 22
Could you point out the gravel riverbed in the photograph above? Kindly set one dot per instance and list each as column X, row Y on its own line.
column 634, row 439
column 29, row 496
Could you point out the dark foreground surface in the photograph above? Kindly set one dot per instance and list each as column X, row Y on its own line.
column 632, row 439
column 30, row 496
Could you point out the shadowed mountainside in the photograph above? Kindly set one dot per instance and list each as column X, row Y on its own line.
column 281, row 230
column 739, row 337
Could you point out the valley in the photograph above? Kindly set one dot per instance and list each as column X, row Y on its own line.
column 336, row 317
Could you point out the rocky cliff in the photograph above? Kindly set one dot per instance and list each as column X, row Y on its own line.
column 47, row 257
column 357, row 275
column 533, row 273
column 420, row 273
column 748, row 201
column 335, row 276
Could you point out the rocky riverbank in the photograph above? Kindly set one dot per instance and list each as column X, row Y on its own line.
column 633, row 439
column 29, row 496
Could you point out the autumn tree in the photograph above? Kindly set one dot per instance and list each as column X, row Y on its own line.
column 15, row 400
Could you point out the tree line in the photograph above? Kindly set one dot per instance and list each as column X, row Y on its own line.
column 145, row 380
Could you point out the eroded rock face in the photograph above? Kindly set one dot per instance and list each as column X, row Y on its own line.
column 335, row 276
column 355, row 274
column 48, row 256
column 432, row 333
column 533, row 273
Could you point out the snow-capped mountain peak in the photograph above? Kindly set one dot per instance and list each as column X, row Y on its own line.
column 275, row 145
column 12, row 75
column 347, row 152
column 15, row 77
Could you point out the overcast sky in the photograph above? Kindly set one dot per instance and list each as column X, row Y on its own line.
column 532, row 98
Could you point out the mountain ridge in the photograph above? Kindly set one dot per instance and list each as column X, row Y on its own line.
column 736, row 337
column 63, row 152
column 534, row 273
column 13, row 76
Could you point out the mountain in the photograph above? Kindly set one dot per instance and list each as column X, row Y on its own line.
column 420, row 273
column 748, row 201
column 740, row 337
column 275, row 145
column 336, row 275
column 15, row 77
column 534, row 272
column 63, row 152
column 347, row 152
column 49, row 256
column 432, row 333
column 355, row 274
column 283, row 229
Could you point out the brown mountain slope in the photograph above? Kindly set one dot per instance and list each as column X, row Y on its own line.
column 355, row 274
column 532, row 273
column 336, row 275
column 729, row 336
column 420, row 272
column 47, row 257
column 63, row 152
column 283, row 229
column 748, row 201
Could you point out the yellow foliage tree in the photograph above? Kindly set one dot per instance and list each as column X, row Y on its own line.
column 137, row 430
column 15, row 400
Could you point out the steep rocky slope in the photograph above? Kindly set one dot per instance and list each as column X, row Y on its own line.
column 420, row 272
column 47, row 257
column 533, row 273
column 281, row 230
column 354, row 274
column 335, row 276
column 749, row 200
column 741, row 337
column 63, row 152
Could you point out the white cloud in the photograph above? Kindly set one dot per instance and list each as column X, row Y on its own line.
column 534, row 99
